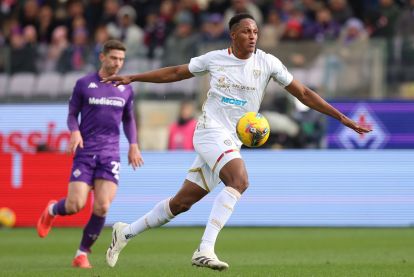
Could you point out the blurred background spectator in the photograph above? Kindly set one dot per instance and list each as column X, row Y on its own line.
column 126, row 30
column 181, row 45
column 180, row 135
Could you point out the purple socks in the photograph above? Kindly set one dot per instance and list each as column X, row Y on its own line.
column 91, row 232
column 59, row 207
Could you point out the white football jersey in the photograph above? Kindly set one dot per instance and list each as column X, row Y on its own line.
column 236, row 86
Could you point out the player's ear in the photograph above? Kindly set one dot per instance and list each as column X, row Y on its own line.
column 233, row 35
column 101, row 56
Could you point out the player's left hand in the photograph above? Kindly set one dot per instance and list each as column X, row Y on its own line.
column 134, row 157
column 354, row 126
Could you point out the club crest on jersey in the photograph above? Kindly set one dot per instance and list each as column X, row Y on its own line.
column 256, row 73
column 77, row 173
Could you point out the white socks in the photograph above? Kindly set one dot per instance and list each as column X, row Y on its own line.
column 220, row 213
column 80, row 252
column 161, row 214
column 50, row 209
column 158, row 216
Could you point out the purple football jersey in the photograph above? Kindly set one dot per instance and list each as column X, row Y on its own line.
column 102, row 108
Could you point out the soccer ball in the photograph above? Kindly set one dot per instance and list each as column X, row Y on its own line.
column 253, row 129
column 7, row 217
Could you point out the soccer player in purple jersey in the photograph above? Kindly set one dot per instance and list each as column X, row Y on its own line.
column 95, row 145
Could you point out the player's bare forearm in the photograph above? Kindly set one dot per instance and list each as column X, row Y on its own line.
column 314, row 101
column 162, row 75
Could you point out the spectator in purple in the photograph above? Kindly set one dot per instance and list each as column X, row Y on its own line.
column 76, row 56
column 324, row 29
column 213, row 29
column 155, row 34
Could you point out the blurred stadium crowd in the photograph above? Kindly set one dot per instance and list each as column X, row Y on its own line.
column 67, row 35
column 343, row 48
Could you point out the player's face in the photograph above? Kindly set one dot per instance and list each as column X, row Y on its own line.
column 245, row 37
column 113, row 61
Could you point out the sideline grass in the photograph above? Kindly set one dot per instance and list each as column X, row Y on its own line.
column 249, row 251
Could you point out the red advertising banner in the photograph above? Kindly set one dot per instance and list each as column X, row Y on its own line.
column 29, row 181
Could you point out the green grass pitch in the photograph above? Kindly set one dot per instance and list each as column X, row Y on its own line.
column 249, row 251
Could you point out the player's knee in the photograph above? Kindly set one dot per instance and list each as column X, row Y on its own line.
column 101, row 209
column 179, row 206
column 73, row 207
column 239, row 183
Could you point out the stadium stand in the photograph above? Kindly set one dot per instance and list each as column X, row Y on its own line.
column 69, row 81
column 4, row 81
column 21, row 85
column 48, row 84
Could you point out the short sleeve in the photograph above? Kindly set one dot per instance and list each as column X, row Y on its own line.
column 279, row 72
column 199, row 65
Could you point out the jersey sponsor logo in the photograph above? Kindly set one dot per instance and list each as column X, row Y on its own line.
column 110, row 101
column 243, row 87
column 233, row 101
column 92, row 85
column 222, row 84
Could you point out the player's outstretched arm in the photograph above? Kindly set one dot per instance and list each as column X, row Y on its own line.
column 162, row 75
column 314, row 101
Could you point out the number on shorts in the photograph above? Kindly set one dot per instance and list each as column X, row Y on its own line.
column 115, row 169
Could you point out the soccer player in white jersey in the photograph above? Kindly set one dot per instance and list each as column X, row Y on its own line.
column 239, row 76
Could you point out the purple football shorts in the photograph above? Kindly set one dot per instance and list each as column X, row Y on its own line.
column 87, row 168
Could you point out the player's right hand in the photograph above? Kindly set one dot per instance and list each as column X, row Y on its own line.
column 117, row 80
column 355, row 126
column 75, row 141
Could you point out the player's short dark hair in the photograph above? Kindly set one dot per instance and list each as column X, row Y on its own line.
column 113, row 44
column 237, row 18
